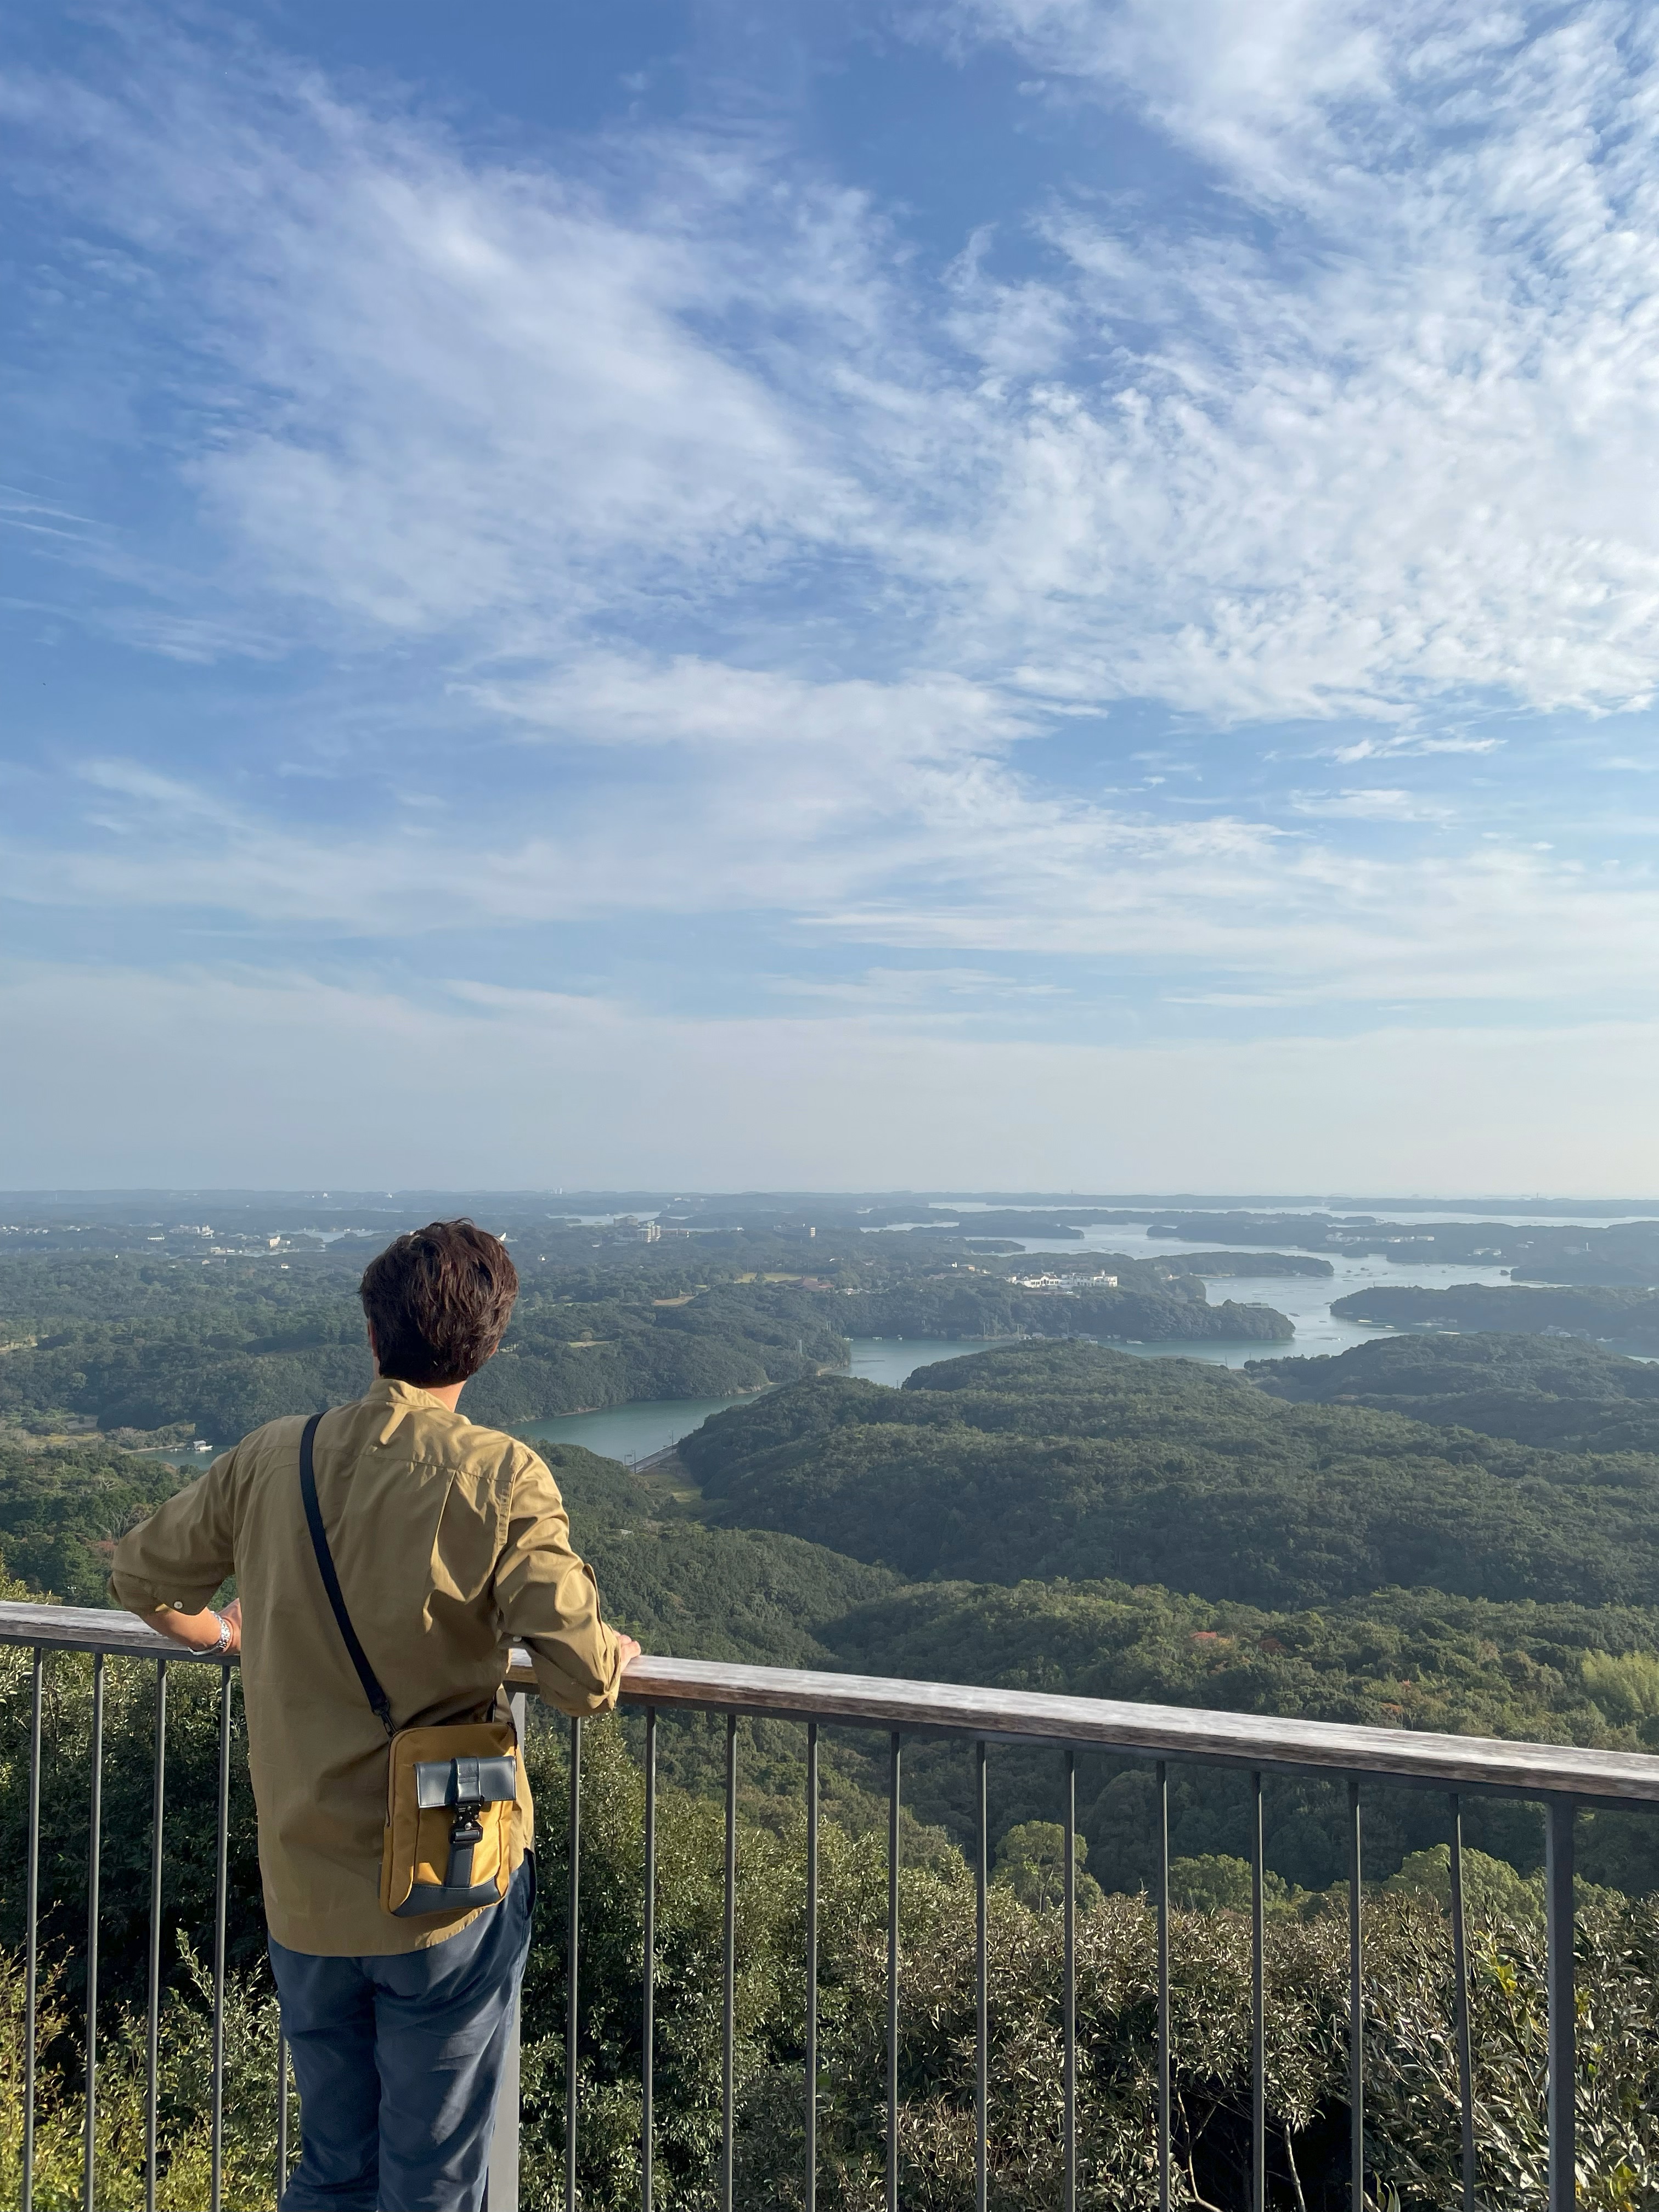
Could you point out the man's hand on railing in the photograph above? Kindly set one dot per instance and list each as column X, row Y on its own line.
column 214, row 1635
column 629, row 1650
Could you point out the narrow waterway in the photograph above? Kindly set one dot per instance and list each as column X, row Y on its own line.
column 1304, row 1300
column 634, row 1432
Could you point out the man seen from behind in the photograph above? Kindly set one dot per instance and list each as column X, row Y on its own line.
column 448, row 1544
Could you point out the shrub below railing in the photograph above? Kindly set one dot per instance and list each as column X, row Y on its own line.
column 186, row 2074
column 1411, row 2079
column 1412, row 2110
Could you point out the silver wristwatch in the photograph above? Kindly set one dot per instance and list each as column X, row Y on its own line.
column 224, row 1644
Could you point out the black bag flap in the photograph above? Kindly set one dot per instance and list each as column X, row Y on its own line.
column 466, row 1782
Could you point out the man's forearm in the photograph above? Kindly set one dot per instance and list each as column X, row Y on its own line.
column 206, row 1631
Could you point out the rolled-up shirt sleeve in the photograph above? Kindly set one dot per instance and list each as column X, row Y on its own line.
column 549, row 1602
column 175, row 1561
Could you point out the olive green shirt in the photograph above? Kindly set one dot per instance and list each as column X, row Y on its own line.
column 451, row 1543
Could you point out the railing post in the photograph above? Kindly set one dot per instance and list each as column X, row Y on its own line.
column 893, row 1976
column 1460, row 1971
column 94, row 1856
column 982, row 2020
column 153, row 1992
column 572, row 1966
column 221, row 1965
column 1356, row 2009
column 1563, row 2024
column 1163, row 1986
column 729, row 1974
column 32, row 1931
column 811, row 2191
column 1258, row 2007
column 502, row 2186
column 1068, row 2013
column 282, row 2119
column 648, row 1968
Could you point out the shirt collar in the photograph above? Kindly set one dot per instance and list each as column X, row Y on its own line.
column 402, row 1399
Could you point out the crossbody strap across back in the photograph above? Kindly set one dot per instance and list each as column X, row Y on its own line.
column 366, row 1674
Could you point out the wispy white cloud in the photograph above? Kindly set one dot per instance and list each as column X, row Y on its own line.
column 707, row 707
column 302, row 1067
column 1377, row 803
column 446, row 393
column 953, row 858
column 942, row 992
column 1386, row 446
column 776, row 551
column 1413, row 742
column 1389, row 439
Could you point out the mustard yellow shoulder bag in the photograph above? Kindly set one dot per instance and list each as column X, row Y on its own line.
column 452, row 1792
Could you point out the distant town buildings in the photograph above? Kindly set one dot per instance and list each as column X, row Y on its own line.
column 1065, row 1285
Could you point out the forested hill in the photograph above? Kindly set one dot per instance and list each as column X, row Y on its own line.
column 1545, row 1252
column 1415, row 1658
column 1068, row 1459
column 62, row 1508
column 1628, row 1317
column 166, row 1349
column 1150, row 1306
column 149, row 1349
column 1559, row 1391
column 697, row 1591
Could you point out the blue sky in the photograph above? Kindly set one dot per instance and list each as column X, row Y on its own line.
column 1020, row 591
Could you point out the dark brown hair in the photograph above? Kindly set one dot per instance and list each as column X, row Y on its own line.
column 439, row 1301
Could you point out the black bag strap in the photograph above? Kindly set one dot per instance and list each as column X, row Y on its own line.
column 372, row 1690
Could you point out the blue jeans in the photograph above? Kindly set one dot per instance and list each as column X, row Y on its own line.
column 398, row 2061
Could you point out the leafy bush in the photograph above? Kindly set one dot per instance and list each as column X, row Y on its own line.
column 1410, row 2072
column 183, row 2096
column 1031, row 1862
column 1411, row 2084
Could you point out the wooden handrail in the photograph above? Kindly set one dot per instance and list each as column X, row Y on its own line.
column 1247, row 1740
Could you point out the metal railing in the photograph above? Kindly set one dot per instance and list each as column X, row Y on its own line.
column 1563, row 1778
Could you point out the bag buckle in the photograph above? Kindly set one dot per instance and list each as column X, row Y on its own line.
column 466, row 1834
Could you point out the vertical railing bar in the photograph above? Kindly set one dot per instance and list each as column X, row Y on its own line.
column 282, row 2115
column 94, row 1852
column 1163, row 1987
column 1563, row 2026
column 1461, row 2005
column 1068, row 1891
column 32, row 1929
column 153, row 1992
column 1356, row 2010
column 649, row 1971
column 501, row 2179
column 729, row 1975
column 1258, row 2009
column 811, row 1965
column 893, row 1976
column 221, row 1901
column 982, row 2005
column 573, row 1944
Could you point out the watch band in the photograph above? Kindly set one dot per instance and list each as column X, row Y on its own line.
column 224, row 1644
